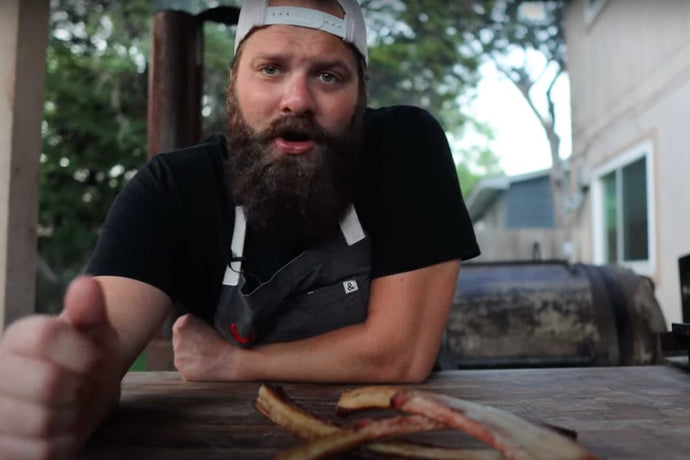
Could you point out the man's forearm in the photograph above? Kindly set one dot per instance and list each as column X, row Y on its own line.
column 398, row 342
column 350, row 354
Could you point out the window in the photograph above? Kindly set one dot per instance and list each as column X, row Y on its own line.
column 622, row 206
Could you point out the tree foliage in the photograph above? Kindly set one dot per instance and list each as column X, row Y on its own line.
column 510, row 33
column 421, row 55
column 418, row 57
column 94, row 129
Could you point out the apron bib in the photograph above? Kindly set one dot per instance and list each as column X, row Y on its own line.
column 324, row 288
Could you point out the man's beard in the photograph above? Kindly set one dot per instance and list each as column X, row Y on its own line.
column 301, row 197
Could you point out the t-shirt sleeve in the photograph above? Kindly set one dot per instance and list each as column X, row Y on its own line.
column 415, row 208
column 139, row 235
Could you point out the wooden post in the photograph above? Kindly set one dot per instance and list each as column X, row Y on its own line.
column 23, row 43
column 175, row 82
column 174, row 117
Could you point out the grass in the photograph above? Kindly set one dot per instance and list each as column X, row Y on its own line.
column 140, row 364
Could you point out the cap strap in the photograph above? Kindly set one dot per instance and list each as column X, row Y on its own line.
column 305, row 17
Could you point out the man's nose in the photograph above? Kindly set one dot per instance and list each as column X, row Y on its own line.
column 297, row 98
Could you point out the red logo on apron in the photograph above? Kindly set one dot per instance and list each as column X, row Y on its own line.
column 235, row 331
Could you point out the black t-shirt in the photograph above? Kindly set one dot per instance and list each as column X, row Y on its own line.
column 172, row 225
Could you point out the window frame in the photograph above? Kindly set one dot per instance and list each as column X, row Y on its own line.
column 643, row 149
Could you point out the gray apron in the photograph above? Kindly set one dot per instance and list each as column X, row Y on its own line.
column 324, row 288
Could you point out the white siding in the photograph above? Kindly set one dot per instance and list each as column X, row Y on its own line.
column 630, row 81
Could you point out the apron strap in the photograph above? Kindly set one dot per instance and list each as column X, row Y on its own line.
column 351, row 228
column 232, row 271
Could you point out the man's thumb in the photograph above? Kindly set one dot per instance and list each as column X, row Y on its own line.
column 85, row 304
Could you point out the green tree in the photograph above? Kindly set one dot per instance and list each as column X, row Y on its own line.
column 510, row 34
column 94, row 129
column 421, row 55
column 477, row 161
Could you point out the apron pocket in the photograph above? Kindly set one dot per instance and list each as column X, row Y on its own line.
column 319, row 310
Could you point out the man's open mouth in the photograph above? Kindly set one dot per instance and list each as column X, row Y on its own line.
column 294, row 142
column 294, row 136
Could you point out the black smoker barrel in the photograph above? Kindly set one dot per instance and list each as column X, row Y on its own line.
column 537, row 314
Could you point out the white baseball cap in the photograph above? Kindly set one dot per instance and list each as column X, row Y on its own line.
column 352, row 28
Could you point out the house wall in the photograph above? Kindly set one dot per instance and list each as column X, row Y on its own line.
column 529, row 203
column 495, row 216
column 500, row 245
column 503, row 236
column 630, row 82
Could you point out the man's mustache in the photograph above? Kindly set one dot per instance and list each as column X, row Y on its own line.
column 292, row 125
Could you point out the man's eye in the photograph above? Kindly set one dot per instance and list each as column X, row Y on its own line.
column 270, row 70
column 328, row 77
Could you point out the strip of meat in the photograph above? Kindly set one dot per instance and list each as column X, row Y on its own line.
column 509, row 434
column 349, row 439
column 278, row 407
column 372, row 397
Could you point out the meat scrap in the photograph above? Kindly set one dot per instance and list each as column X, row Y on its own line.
column 372, row 397
column 508, row 434
column 278, row 407
column 379, row 397
column 511, row 435
column 348, row 439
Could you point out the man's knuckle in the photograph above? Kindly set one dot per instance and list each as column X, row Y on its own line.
column 46, row 422
column 93, row 360
column 52, row 383
column 47, row 333
column 22, row 332
column 47, row 449
column 180, row 324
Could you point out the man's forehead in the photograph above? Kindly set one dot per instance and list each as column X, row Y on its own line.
column 287, row 40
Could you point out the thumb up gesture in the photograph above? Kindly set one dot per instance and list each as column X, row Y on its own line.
column 56, row 383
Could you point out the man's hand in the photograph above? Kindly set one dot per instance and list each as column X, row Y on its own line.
column 57, row 377
column 201, row 354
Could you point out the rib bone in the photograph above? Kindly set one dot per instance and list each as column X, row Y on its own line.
column 348, row 439
column 509, row 434
column 277, row 406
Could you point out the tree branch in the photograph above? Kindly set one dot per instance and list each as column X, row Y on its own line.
column 524, row 84
column 549, row 99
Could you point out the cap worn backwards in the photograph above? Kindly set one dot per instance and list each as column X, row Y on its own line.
column 352, row 28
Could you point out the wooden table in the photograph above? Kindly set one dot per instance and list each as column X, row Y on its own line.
column 618, row 412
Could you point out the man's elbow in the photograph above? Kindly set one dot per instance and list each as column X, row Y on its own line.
column 401, row 366
column 417, row 370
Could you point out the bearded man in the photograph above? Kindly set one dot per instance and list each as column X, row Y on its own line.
column 318, row 241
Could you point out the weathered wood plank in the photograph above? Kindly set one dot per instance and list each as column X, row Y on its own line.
column 618, row 412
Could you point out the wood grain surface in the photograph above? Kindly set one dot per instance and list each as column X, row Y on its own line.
column 618, row 412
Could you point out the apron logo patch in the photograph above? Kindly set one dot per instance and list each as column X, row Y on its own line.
column 350, row 286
